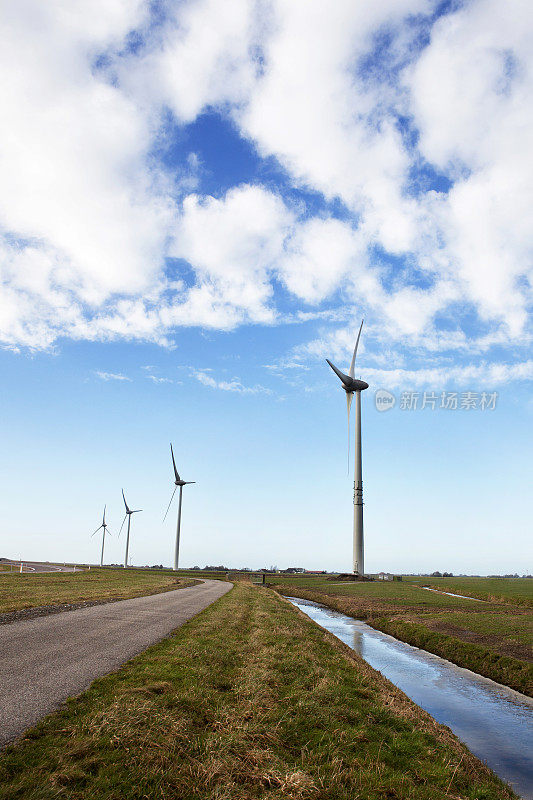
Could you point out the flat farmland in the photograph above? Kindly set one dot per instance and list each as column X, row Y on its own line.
column 250, row 699
column 493, row 638
column 514, row 590
column 50, row 589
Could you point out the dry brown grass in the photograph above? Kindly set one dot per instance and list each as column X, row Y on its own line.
column 25, row 591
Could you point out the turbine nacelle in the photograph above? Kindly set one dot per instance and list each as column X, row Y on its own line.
column 349, row 384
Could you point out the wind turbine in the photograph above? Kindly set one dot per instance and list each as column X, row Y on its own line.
column 353, row 386
column 103, row 527
column 179, row 482
column 128, row 514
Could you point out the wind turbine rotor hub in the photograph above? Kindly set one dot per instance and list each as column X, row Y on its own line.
column 355, row 386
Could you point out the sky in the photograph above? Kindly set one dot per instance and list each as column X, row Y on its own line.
column 199, row 202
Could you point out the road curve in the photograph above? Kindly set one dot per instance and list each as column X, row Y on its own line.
column 45, row 660
column 34, row 566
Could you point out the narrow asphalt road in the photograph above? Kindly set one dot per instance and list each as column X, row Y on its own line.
column 45, row 660
column 33, row 566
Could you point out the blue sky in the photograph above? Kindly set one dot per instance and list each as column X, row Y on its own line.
column 198, row 205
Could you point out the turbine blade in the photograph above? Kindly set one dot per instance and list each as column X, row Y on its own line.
column 187, row 482
column 349, row 398
column 171, row 499
column 96, row 531
column 123, row 521
column 344, row 378
column 136, row 511
column 176, row 473
column 127, row 509
column 351, row 372
column 103, row 518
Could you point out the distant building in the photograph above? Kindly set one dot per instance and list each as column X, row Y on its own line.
column 385, row 576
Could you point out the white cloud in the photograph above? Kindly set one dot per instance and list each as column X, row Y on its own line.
column 478, row 377
column 469, row 93
column 155, row 379
column 335, row 132
column 79, row 205
column 234, row 385
column 201, row 57
column 320, row 254
column 233, row 242
column 112, row 376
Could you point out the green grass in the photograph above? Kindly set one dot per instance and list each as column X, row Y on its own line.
column 491, row 638
column 55, row 588
column 514, row 590
column 514, row 629
column 383, row 594
column 507, row 670
column 250, row 699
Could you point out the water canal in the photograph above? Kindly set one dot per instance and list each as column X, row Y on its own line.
column 495, row 723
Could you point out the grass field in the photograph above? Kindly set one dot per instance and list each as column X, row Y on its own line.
column 384, row 595
column 250, row 699
column 56, row 588
column 492, row 638
column 514, row 590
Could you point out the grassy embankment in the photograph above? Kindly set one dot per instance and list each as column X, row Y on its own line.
column 250, row 699
column 56, row 588
column 492, row 639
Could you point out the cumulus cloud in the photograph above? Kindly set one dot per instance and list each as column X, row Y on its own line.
column 246, row 231
column 201, row 57
column 328, row 126
column 78, row 205
column 319, row 256
column 469, row 95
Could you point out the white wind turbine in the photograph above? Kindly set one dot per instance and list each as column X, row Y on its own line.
column 104, row 528
column 181, row 483
column 128, row 514
column 353, row 386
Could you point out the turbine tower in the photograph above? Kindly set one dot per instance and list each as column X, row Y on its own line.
column 353, row 386
column 128, row 514
column 179, row 482
column 103, row 527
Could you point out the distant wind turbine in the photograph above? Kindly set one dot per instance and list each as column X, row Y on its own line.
column 353, row 386
column 103, row 527
column 128, row 514
column 179, row 482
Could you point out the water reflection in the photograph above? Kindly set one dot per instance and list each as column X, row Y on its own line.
column 494, row 722
column 451, row 594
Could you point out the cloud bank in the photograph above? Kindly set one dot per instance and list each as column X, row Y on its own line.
column 402, row 169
